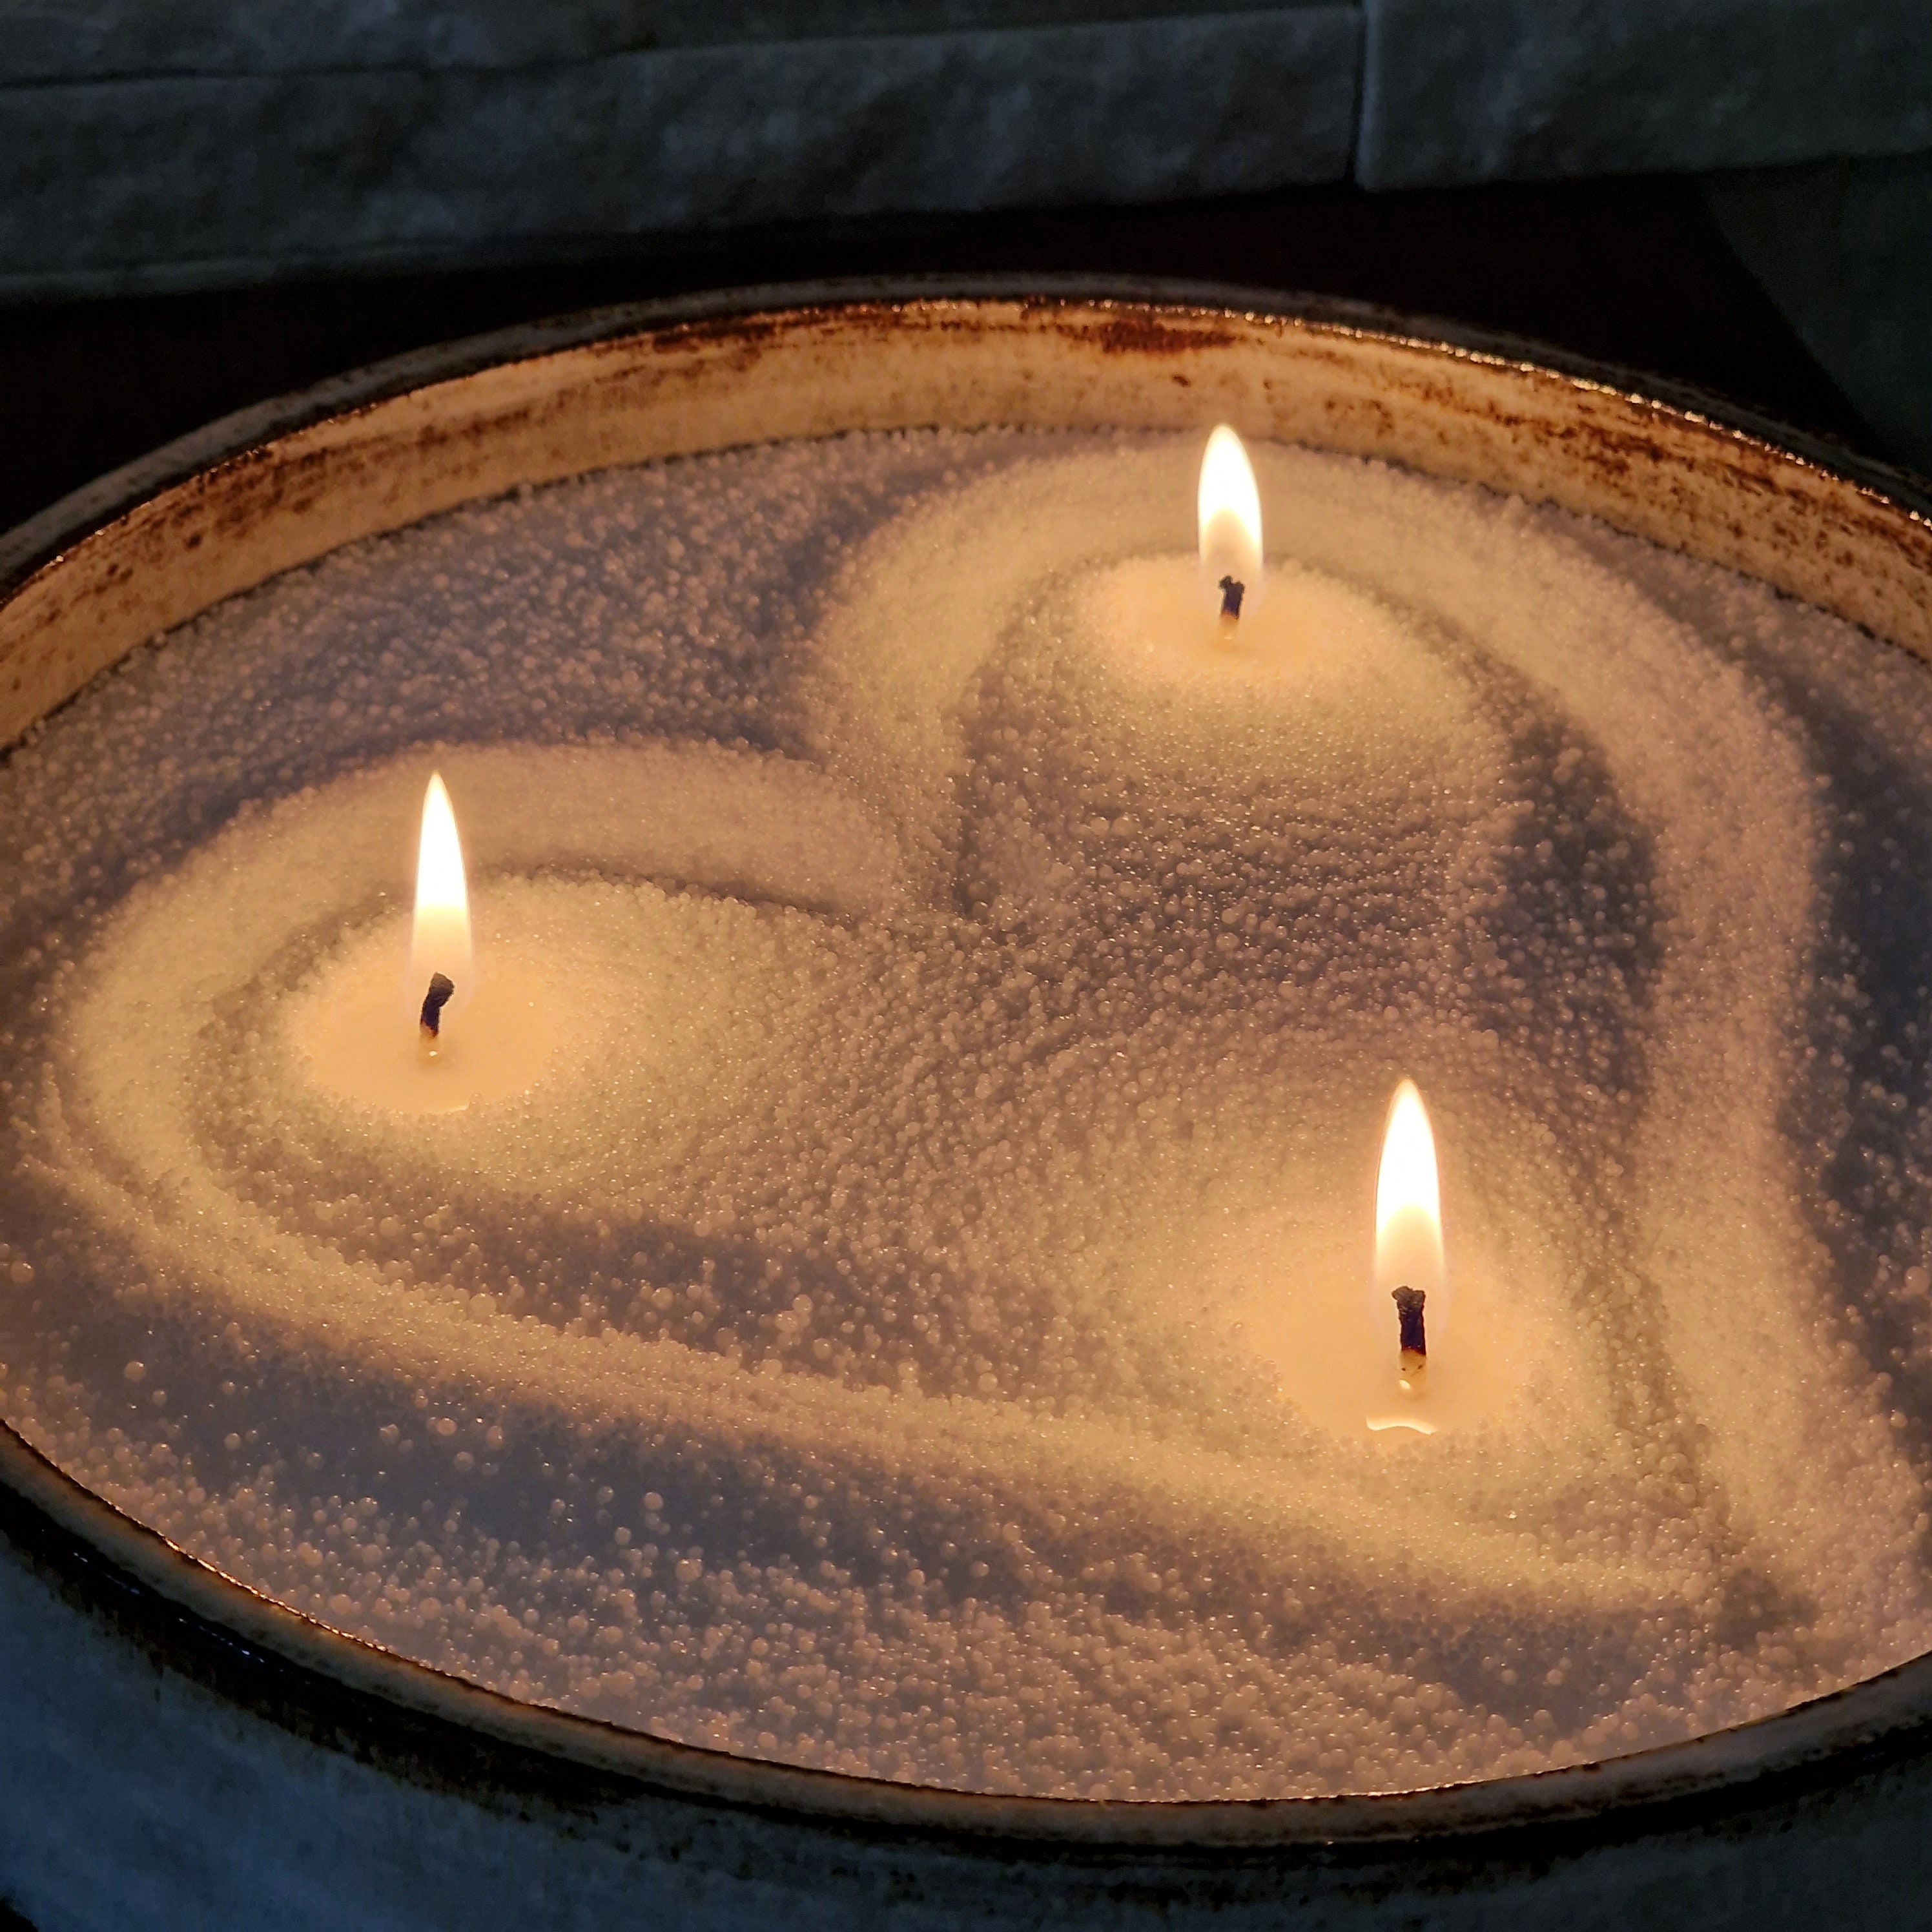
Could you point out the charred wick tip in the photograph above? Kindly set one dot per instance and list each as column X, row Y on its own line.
column 1232, row 591
column 1414, row 1339
column 441, row 987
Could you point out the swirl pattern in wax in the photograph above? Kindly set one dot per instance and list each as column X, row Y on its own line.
column 916, row 1320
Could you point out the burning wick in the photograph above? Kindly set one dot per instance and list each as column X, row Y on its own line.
column 1408, row 1231
column 441, row 986
column 1232, row 591
column 440, row 950
column 1229, row 508
column 1414, row 1340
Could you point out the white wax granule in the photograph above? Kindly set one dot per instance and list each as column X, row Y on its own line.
column 894, row 1332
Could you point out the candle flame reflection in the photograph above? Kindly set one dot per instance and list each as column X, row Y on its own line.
column 1230, row 506
column 1408, row 1205
column 439, row 938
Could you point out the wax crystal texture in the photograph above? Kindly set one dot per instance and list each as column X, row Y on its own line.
column 918, row 1319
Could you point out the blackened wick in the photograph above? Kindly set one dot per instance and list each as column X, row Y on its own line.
column 1415, row 1342
column 441, row 986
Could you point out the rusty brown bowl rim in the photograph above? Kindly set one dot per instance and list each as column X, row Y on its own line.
column 434, row 1728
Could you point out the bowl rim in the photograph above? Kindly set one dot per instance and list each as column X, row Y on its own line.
column 426, row 1724
column 30, row 544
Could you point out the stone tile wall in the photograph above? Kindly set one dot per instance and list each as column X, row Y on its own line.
column 1488, row 90
column 259, row 163
column 153, row 144
column 182, row 142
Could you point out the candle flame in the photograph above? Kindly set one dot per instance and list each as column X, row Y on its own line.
column 440, row 939
column 1409, row 1204
column 1230, row 505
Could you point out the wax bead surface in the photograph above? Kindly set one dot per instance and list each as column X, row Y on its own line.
column 915, row 1317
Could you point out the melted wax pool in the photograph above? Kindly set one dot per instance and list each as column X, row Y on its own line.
column 891, row 1336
